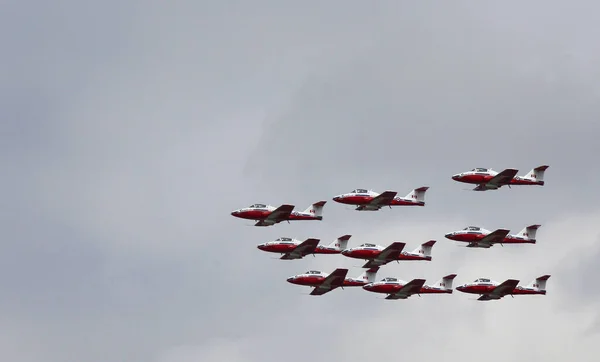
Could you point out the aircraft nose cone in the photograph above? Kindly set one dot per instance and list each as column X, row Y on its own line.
column 234, row 213
column 337, row 198
column 261, row 246
column 456, row 177
column 448, row 236
column 345, row 252
column 368, row 286
column 290, row 279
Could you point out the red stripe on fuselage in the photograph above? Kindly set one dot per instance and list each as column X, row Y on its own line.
column 308, row 280
column 518, row 291
column 363, row 254
column 475, row 179
column 303, row 217
column 397, row 202
column 355, row 200
column 278, row 248
column 253, row 214
column 393, row 288
column 413, row 257
column 478, row 289
column 384, row 288
column 525, row 182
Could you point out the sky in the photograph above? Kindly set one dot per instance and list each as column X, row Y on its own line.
column 131, row 129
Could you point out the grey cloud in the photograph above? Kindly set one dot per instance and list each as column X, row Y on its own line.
column 131, row 132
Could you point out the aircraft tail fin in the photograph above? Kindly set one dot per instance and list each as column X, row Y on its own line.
column 446, row 282
column 418, row 195
column 529, row 232
column 316, row 209
column 340, row 243
column 540, row 283
column 425, row 248
column 369, row 275
column 537, row 174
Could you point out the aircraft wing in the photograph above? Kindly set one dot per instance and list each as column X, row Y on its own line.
column 333, row 280
column 494, row 237
column 281, row 213
column 384, row 198
column 503, row 178
column 501, row 290
column 412, row 287
column 308, row 246
column 388, row 254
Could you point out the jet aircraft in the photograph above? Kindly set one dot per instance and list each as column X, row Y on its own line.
column 488, row 179
column 368, row 200
column 399, row 289
column 377, row 255
column 491, row 290
column 295, row 249
column 324, row 283
column 478, row 237
column 267, row 215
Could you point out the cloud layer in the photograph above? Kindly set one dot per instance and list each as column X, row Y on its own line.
column 131, row 130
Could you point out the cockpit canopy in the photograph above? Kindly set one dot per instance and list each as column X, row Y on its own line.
column 283, row 239
column 480, row 169
column 481, row 280
column 389, row 280
column 313, row 272
column 359, row 191
column 472, row 228
column 258, row 206
column 368, row 245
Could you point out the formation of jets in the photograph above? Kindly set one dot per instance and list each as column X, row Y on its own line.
column 488, row 179
column 377, row 256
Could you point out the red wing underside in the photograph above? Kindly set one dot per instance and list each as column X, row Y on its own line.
column 387, row 255
column 501, row 290
column 306, row 247
column 333, row 280
column 278, row 215
column 503, row 178
column 413, row 287
column 494, row 237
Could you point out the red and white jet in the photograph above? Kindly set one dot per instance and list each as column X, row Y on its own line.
column 324, row 283
column 491, row 290
column 378, row 256
column 368, row 200
column 488, row 179
column 399, row 289
column 478, row 237
column 296, row 249
column 267, row 215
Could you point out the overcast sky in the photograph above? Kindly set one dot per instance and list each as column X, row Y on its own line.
column 131, row 129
